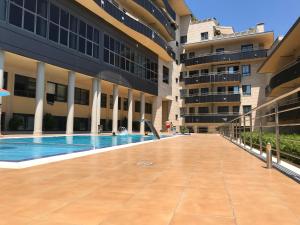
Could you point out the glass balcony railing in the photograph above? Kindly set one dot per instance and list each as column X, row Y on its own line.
column 213, row 78
column 169, row 9
column 158, row 14
column 135, row 25
column 212, row 98
column 226, row 56
column 209, row 118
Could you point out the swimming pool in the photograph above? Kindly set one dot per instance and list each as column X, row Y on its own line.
column 24, row 149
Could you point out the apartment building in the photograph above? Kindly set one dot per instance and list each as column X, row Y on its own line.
column 74, row 65
column 219, row 77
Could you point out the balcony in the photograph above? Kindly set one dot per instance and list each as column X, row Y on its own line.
column 212, row 98
column 209, row 118
column 169, row 9
column 213, row 78
column 158, row 14
column 288, row 78
column 226, row 57
column 122, row 17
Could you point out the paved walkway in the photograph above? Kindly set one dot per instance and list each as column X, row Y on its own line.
column 196, row 180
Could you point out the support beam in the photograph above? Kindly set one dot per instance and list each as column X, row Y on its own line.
column 142, row 117
column 115, row 108
column 130, row 111
column 1, row 81
column 39, row 99
column 71, row 96
column 95, row 87
column 99, row 104
column 157, row 113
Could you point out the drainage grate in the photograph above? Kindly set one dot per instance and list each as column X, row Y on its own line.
column 145, row 163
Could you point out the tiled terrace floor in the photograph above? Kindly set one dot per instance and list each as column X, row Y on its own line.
column 196, row 180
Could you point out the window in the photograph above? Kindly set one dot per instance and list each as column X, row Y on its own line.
column 125, row 104
column 15, row 15
column 27, row 121
column 5, row 80
column 220, row 50
column 103, row 100
column 137, row 106
column 221, row 90
column 192, row 110
column 193, row 92
column 204, row 72
column 234, row 89
column 81, row 96
column 183, row 57
column 203, row 110
column 119, row 103
column 221, row 69
column 148, row 108
column 183, row 39
column 193, row 73
column 111, row 102
column 24, row 86
column 246, row 70
column 236, row 109
column 204, row 36
column 233, row 69
column 247, row 108
column 204, row 91
column 246, row 48
column 191, row 55
column 246, row 89
column 58, row 91
column 223, row 109
column 165, row 75
column 2, row 9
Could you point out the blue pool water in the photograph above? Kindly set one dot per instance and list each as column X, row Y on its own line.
column 22, row 149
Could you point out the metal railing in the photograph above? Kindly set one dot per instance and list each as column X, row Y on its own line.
column 209, row 117
column 212, row 78
column 169, row 9
column 276, row 122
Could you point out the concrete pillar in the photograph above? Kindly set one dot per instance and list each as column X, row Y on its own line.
column 130, row 111
column 142, row 124
column 157, row 113
column 99, row 104
column 94, row 123
column 71, row 96
column 1, row 81
column 39, row 99
column 115, row 108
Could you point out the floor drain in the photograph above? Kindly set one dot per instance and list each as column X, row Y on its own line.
column 145, row 163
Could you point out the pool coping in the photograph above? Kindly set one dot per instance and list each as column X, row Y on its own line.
column 67, row 156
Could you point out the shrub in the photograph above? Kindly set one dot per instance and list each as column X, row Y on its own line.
column 14, row 123
column 184, row 130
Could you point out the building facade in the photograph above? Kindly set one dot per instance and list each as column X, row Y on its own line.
column 219, row 77
column 73, row 65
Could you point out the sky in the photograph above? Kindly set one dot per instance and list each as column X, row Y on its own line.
column 278, row 15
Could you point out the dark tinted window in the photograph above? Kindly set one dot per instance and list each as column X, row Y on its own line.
column 53, row 32
column 42, row 8
column 29, row 21
column 41, row 26
column 54, row 13
column 15, row 15
column 24, row 86
column 64, row 19
column 30, row 5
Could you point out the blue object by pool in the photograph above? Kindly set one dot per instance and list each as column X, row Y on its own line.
column 22, row 149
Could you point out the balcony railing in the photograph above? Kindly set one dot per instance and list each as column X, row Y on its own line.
column 169, row 9
column 226, row 56
column 209, row 118
column 135, row 25
column 212, row 98
column 212, row 78
column 289, row 73
column 158, row 14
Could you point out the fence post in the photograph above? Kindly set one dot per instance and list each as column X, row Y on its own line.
column 277, row 134
column 269, row 156
column 240, row 130
column 251, row 141
column 244, row 131
column 260, row 136
column 236, row 130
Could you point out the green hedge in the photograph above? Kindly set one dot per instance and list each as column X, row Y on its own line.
column 289, row 143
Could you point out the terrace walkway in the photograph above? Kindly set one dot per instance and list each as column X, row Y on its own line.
column 194, row 180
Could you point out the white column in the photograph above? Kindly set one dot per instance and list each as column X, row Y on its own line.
column 71, row 95
column 130, row 110
column 142, row 124
column 157, row 113
column 39, row 99
column 94, row 105
column 115, row 108
column 1, row 81
column 99, row 103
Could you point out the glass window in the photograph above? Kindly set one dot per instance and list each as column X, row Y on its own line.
column 166, row 75
column 29, row 21
column 96, row 36
column 89, row 48
column 73, row 24
column 81, row 96
column 61, row 93
column 2, row 9
column 192, row 110
column 106, row 56
column 221, row 69
column 41, row 26
column 81, row 44
column 204, row 71
column 246, row 70
column 246, row 89
column 223, row 109
column 221, row 90
column 137, row 106
column 203, row 110
column 236, row 109
column 54, row 14
column 148, row 108
column 183, row 39
column 64, row 19
column 42, row 8
column 246, row 108
column 30, row 5
column 119, row 103
column 82, row 28
column 234, row 89
column 24, row 86
column 232, row 69
column 53, row 32
column 103, row 100
column 111, row 102
column 204, row 36
column 15, row 15
column 90, row 31
column 63, row 36
column 72, row 40
column 246, row 48
column 204, row 91
column 5, row 80
column 125, row 104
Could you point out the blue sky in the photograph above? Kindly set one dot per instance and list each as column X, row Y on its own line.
column 278, row 15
